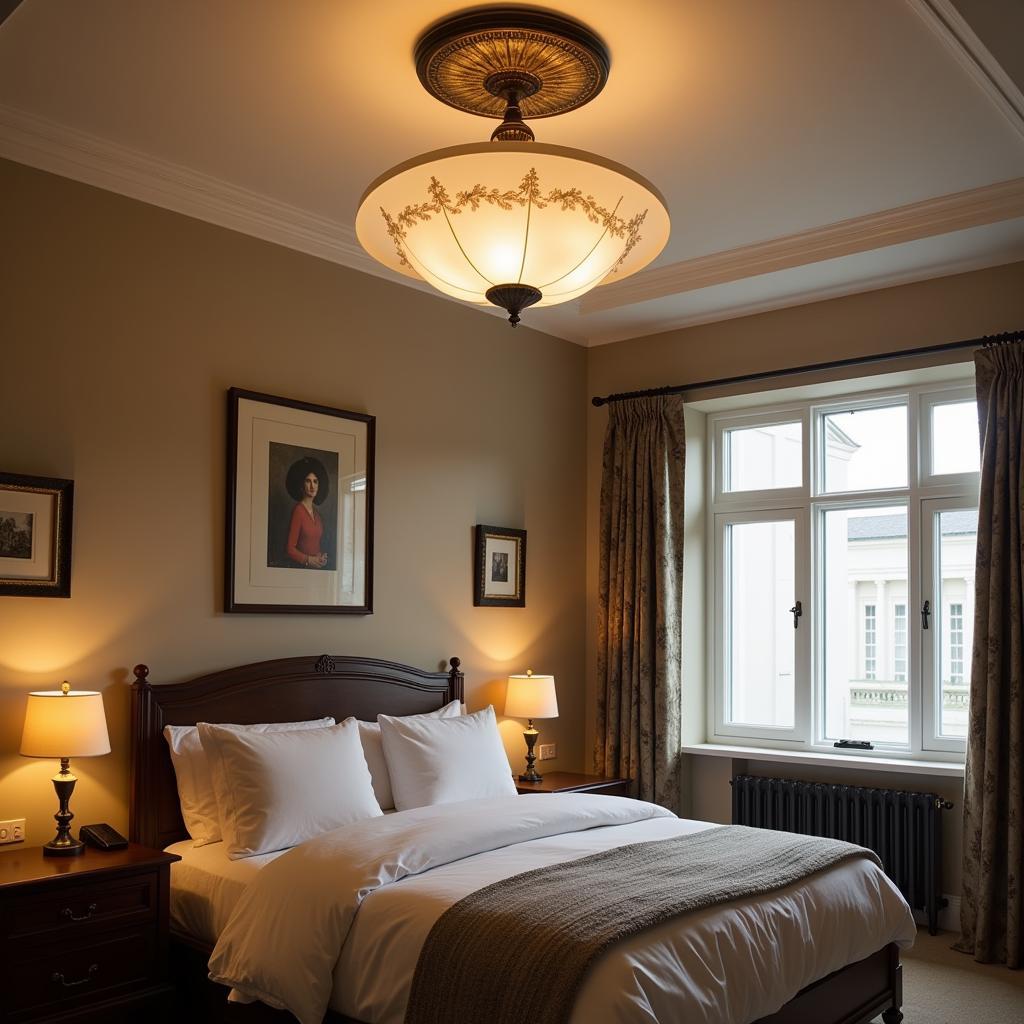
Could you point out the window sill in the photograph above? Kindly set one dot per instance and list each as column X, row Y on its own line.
column 872, row 764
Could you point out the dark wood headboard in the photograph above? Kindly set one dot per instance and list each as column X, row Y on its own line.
column 285, row 690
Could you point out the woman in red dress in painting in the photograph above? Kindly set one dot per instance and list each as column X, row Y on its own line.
column 307, row 484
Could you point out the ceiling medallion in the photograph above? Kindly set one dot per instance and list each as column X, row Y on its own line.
column 512, row 222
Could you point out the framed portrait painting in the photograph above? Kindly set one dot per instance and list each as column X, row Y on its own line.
column 35, row 536
column 500, row 567
column 299, row 507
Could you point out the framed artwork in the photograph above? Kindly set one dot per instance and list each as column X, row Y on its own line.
column 35, row 536
column 499, row 576
column 299, row 507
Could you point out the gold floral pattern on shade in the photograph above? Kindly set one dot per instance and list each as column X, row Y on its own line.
column 571, row 200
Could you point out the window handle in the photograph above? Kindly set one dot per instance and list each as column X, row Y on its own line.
column 796, row 611
column 926, row 610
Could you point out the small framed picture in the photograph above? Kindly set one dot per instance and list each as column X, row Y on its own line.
column 500, row 567
column 35, row 536
column 299, row 507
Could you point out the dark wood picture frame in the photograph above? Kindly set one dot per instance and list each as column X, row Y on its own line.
column 53, row 497
column 487, row 590
column 238, row 546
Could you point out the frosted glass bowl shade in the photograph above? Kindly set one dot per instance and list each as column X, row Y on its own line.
column 472, row 217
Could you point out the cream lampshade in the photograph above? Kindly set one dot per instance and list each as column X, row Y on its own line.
column 64, row 723
column 529, row 696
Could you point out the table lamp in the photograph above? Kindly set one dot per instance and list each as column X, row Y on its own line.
column 64, row 723
column 531, row 697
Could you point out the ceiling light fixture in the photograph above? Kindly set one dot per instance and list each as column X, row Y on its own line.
column 512, row 222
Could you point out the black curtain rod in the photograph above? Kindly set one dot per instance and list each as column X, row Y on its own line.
column 676, row 389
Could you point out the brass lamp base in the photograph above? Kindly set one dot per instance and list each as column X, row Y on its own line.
column 531, row 774
column 55, row 848
column 64, row 844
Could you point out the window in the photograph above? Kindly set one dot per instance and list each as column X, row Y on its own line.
column 833, row 524
column 956, row 643
column 899, row 643
column 870, row 641
column 763, row 457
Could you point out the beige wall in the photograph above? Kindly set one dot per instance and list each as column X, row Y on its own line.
column 931, row 312
column 122, row 326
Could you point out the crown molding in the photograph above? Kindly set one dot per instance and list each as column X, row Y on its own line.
column 81, row 156
column 939, row 216
column 974, row 57
column 72, row 153
column 806, row 297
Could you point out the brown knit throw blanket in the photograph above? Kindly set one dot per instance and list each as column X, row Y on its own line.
column 518, row 950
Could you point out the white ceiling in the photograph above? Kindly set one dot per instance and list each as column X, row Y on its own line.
column 761, row 122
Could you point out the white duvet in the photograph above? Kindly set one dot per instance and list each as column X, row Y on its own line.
column 296, row 941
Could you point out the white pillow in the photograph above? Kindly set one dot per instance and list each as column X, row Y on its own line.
column 373, row 751
column 442, row 760
column 191, row 769
column 278, row 789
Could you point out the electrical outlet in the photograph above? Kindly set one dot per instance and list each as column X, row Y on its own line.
column 12, row 831
column 548, row 751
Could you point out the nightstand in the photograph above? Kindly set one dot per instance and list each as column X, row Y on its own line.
column 84, row 939
column 575, row 782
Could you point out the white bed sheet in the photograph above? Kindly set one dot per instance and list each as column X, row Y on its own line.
column 729, row 964
column 206, row 885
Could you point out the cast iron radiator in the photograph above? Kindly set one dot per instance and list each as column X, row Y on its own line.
column 904, row 829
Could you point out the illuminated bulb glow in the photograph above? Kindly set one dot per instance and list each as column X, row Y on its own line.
column 470, row 217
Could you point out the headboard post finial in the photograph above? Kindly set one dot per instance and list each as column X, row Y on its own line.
column 141, row 817
column 456, row 685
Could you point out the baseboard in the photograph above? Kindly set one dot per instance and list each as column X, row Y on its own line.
column 949, row 915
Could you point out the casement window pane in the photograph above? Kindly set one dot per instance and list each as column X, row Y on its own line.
column 865, row 449
column 953, row 615
column 864, row 558
column 760, row 641
column 763, row 458
column 955, row 444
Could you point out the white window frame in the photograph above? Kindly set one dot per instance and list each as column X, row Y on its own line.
column 801, row 681
column 808, row 502
column 775, row 496
column 935, row 637
column 948, row 396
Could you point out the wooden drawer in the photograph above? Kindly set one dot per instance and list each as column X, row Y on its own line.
column 76, row 909
column 53, row 979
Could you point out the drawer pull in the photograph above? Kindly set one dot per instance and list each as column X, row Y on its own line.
column 70, row 914
column 57, row 976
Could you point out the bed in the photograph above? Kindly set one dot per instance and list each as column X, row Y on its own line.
column 294, row 689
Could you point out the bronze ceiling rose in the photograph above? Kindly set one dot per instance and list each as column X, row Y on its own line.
column 482, row 61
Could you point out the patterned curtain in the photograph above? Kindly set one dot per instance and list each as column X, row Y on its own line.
column 639, row 661
column 992, row 906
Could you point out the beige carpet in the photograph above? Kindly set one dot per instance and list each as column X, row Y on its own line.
column 941, row 986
